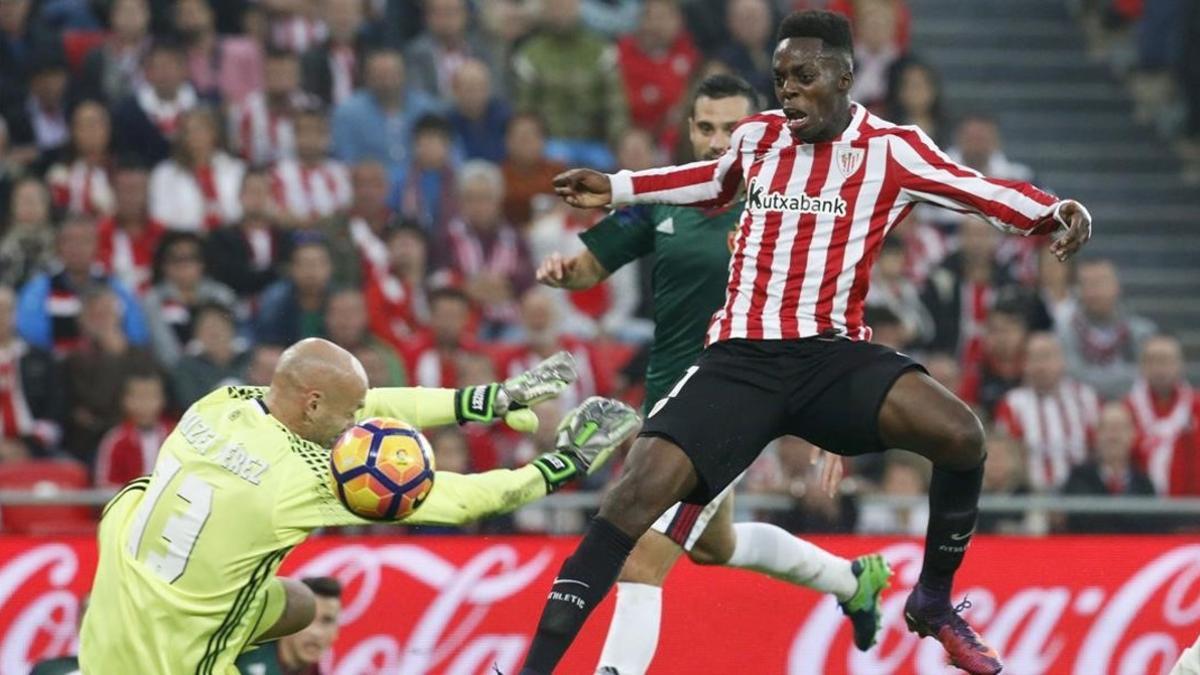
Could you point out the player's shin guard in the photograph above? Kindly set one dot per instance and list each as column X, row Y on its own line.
column 581, row 584
column 953, row 509
column 633, row 633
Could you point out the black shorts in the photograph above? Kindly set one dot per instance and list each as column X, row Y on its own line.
column 742, row 394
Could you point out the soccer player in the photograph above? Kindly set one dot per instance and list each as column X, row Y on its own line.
column 301, row 652
column 185, row 580
column 691, row 267
column 788, row 353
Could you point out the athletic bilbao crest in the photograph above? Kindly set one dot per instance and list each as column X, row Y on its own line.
column 849, row 160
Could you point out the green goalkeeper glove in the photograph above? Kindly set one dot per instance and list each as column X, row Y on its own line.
column 586, row 438
column 512, row 398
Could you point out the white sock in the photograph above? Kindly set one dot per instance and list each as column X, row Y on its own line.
column 775, row 551
column 633, row 633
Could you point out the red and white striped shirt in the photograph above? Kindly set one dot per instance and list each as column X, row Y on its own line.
column 81, row 189
column 312, row 191
column 1057, row 428
column 130, row 259
column 128, row 451
column 262, row 135
column 816, row 215
column 1168, row 438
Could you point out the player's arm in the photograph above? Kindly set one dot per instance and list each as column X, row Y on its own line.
column 620, row 237
column 586, row 438
column 926, row 174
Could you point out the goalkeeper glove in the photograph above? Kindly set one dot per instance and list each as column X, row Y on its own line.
column 586, row 438
column 511, row 399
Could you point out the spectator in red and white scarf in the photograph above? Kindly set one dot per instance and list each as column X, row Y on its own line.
column 311, row 185
column 1166, row 412
column 80, row 184
column 1102, row 340
column 262, row 126
column 433, row 355
column 30, row 385
column 398, row 299
column 484, row 251
column 197, row 189
column 126, row 240
column 130, row 449
column 146, row 122
column 250, row 256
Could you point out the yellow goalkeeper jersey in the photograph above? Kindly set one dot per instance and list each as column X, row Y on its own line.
column 189, row 553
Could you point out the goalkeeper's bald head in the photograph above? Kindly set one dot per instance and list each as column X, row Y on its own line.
column 317, row 389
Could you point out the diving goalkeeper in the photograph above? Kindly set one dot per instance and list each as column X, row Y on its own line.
column 186, row 578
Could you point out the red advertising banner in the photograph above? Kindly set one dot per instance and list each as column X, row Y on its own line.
column 456, row 606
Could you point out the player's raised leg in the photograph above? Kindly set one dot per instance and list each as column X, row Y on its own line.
column 920, row 415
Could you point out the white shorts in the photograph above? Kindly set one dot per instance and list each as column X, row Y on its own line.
column 684, row 523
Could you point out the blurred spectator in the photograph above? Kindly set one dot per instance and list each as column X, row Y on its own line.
column 261, row 368
column 129, row 449
column 606, row 308
column 97, row 370
column 147, row 120
column 37, row 122
column 892, row 289
column 569, row 75
column 445, row 46
column 1000, row 365
column 181, row 286
column 295, row 25
column 478, row 113
column 293, row 308
column 48, row 311
column 887, row 328
column 959, row 292
column 397, row 298
column 528, row 174
column 925, row 247
column 346, row 324
column 786, row 468
column 751, row 44
column 945, row 369
column 330, row 70
column 113, row 70
column 425, row 193
column 31, row 404
column 1166, row 413
column 355, row 238
column 301, row 652
column 215, row 360
column 311, row 185
column 1101, row 339
column 128, row 239
column 904, row 475
column 27, row 244
column 483, row 251
column 506, row 24
column 1056, row 287
column 223, row 68
column 450, row 451
column 876, row 48
column 1005, row 474
column 656, row 62
column 543, row 336
column 1110, row 473
column 433, row 355
column 914, row 96
column 262, row 126
column 1054, row 415
column 247, row 257
column 197, row 189
column 10, row 170
column 637, row 151
column 611, row 18
column 850, row 8
column 977, row 145
column 79, row 184
column 19, row 42
column 376, row 122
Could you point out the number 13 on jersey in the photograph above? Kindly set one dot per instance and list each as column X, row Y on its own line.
column 189, row 500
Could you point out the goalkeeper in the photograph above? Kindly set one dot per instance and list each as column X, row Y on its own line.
column 186, row 577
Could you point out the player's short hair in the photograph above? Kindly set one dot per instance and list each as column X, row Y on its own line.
column 725, row 85
column 829, row 27
column 324, row 587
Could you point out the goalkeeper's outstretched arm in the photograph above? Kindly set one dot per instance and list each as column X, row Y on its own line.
column 586, row 438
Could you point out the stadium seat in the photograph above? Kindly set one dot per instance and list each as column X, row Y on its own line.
column 48, row 476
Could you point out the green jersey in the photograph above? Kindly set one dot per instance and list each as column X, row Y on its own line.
column 262, row 660
column 691, row 267
column 65, row 665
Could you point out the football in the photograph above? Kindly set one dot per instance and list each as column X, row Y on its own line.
column 381, row 469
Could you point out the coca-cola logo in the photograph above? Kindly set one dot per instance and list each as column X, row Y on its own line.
column 45, row 624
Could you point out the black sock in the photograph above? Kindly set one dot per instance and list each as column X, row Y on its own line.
column 582, row 583
column 953, row 508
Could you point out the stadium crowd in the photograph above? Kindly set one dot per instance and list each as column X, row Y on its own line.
column 187, row 186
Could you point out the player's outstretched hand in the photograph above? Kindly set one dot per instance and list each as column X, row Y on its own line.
column 1078, row 229
column 554, row 271
column 583, row 188
column 512, row 398
column 586, row 439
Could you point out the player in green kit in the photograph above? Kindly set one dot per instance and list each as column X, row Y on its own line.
column 301, row 652
column 186, row 577
column 691, row 268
